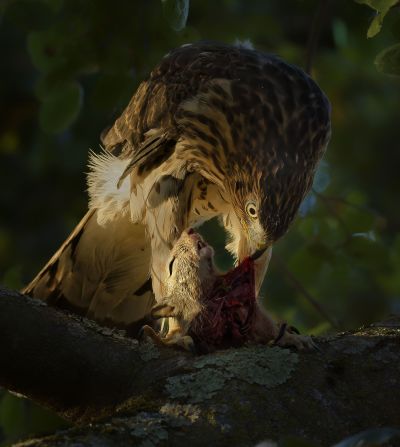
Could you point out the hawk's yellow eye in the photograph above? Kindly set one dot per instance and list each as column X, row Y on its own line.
column 251, row 210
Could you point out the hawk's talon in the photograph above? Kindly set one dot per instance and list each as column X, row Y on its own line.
column 146, row 332
column 174, row 339
column 140, row 334
column 281, row 333
column 287, row 337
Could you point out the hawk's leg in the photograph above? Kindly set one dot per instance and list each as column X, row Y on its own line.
column 287, row 337
column 267, row 331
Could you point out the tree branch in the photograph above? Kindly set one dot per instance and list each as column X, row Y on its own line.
column 166, row 397
column 68, row 363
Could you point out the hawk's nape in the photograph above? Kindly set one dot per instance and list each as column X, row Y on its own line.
column 215, row 130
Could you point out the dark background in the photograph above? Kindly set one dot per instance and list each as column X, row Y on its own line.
column 69, row 67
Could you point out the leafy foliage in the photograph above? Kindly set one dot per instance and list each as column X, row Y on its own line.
column 381, row 7
column 388, row 60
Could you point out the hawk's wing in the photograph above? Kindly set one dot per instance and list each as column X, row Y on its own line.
column 100, row 271
column 153, row 118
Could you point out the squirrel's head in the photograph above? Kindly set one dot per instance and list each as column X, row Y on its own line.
column 191, row 260
column 191, row 274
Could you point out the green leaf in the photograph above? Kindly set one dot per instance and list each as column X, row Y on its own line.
column 381, row 7
column 176, row 13
column 45, row 50
column 60, row 109
column 374, row 436
column 375, row 26
column 388, row 60
column 378, row 5
column 45, row 86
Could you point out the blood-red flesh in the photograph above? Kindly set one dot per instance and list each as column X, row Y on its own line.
column 229, row 310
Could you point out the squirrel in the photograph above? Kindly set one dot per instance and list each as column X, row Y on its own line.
column 212, row 310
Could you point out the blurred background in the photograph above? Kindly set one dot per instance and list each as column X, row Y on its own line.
column 69, row 67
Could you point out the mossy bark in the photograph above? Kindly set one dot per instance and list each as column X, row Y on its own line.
column 118, row 392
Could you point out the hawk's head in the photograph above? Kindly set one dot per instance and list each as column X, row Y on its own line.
column 259, row 136
column 277, row 151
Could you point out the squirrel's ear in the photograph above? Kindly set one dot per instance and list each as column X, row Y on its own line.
column 163, row 310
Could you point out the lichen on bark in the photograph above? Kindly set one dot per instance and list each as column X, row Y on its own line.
column 148, row 351
column 260, row 365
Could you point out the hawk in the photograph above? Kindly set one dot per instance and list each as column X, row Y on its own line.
column 215, row 130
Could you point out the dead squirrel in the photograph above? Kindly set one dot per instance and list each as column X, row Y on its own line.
column 213, row 310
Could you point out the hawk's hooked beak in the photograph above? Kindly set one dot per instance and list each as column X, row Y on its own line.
column 261, row 258
column 247, row 248
column 258, row 253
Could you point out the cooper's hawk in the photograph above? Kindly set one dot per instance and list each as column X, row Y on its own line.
column 215, row 130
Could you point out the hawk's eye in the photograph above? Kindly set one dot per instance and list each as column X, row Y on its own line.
column 251, row 210
column 171, row 265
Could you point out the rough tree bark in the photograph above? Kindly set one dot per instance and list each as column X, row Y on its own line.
column 119, row 392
